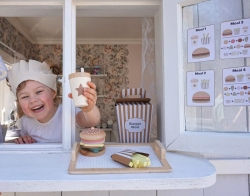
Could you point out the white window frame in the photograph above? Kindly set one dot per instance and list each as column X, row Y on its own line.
column 10, row 8
column 234, row 145
column 28, row 9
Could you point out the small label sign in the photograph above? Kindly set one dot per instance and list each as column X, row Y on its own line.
column 135, row 125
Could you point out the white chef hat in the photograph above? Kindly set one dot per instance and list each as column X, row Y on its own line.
column 32, row 70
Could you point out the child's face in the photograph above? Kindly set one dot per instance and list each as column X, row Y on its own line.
column 37, row 101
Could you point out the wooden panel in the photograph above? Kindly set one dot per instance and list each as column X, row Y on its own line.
column 7, row 194
column 86, row 193
column 229, row 185
column 184, row 192
column 39, row 194
column 108, row 136
column 133, row 193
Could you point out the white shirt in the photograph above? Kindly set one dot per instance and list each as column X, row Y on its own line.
column 50, row 131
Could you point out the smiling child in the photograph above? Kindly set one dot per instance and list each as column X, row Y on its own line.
column 34, row 85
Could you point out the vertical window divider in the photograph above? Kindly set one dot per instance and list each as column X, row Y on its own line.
column 69, row 15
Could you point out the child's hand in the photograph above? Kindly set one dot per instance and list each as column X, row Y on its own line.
column 90, row 94
column 26, row 139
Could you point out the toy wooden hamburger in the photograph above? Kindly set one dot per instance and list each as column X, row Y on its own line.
column 92, row 142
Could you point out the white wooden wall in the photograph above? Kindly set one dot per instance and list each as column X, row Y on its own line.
column 226, row 185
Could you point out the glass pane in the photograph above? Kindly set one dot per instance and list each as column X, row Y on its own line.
column 218, row 117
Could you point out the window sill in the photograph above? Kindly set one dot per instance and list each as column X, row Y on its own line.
column 34, row 172
column 224, row 145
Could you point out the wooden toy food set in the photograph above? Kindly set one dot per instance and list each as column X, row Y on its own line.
column 105, row 164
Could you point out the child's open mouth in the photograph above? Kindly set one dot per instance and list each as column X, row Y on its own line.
column 38, row 108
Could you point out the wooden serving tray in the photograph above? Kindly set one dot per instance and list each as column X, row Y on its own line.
column 105, row 164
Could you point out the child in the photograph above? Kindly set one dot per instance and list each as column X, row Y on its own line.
column 34, row 85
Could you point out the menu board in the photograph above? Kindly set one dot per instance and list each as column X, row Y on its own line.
column 236, row 86
column 201, row 46
column 200, row 88
column 235, row 37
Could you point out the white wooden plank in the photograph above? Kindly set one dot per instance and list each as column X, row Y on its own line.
column 231, row 144
column 246, row 12
column 86, row 193
column 229, row 185
column 67, row 68
column 7, row 194
column 232, row 166
column 39, row 194
column 184, row 192
column 133, row 193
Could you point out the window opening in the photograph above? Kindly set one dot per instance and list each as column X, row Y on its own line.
column 39, row 41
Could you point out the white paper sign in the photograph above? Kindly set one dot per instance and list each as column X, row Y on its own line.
column 135, row 125
column 201, row 45
column 236, row 86
column 200, row 88
column 235, row 37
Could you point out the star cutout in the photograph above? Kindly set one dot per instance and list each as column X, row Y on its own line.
column 80, row 89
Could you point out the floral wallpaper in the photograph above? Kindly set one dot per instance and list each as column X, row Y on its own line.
column 12, row 38
column 113, row 61
column 111, row 58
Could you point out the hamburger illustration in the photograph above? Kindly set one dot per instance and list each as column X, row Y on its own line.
column 200, row 53
column 227, row 32
column 201, row 97
column 92, row 142
column 230, row 78
column 247, row 46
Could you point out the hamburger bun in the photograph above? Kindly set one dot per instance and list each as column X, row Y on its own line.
column 247, row 46
column 194, row 37
column 200, row 53
column 201, row 97
column 92, row 142
column 230, row 79
column 227, row 32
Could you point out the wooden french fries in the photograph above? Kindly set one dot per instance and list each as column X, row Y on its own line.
column 131, row 164
column 135, row 161
column 132, row 159
column 140, row 160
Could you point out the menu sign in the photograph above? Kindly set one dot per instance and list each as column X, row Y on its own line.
column 201, row 45
column 235, row 37
column 236, row 86
column 200, row 88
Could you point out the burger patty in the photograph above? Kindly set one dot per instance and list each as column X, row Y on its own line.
column 94, row 150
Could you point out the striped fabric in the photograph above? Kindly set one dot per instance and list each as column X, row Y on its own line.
column 133, row 91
